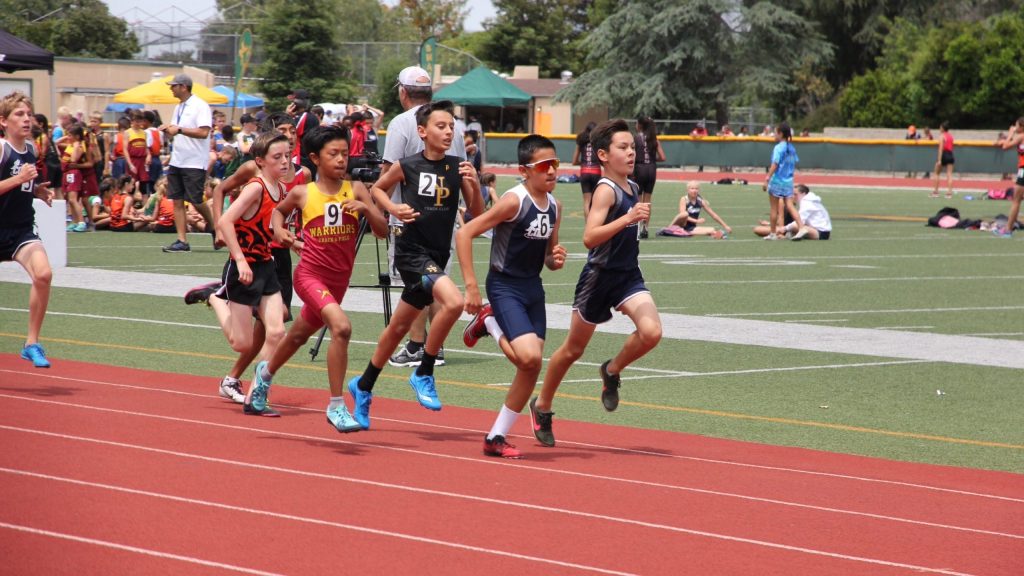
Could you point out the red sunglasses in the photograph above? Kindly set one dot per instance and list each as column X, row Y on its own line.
column 543, row 165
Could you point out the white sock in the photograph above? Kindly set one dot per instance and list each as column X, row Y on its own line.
column 266, row 375
column 503, row 423
column 491, row 323
column 230, row 380
column 335, row 402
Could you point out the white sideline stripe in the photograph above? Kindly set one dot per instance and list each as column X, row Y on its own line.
column 602, row 477
column 308, row 520
column 125, row 547
column 817, row 321
column 904, row 327
column 759, row 370
column 815, row 280
column 830, row 339
column 640, row 523
column 327, row 338
column 881, row 311
column 590, row 445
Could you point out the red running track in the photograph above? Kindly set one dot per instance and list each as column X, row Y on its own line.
column 110, row 470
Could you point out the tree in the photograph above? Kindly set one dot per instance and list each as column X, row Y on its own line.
column 545, row 33
column 300, row 51
column 965, row 73
column 694, row 57
column 83, row 28
column 441, row 18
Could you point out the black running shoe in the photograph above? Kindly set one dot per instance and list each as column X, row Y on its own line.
column 201, row 293
column 610, row 391
column 541, row 422
column 177, row 246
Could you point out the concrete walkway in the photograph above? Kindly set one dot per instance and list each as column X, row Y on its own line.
column 891, row 344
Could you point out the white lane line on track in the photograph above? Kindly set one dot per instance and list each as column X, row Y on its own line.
column 315, row 521
column 600, row 477
column 125, row 547
column 713, row 535
column 576, row 443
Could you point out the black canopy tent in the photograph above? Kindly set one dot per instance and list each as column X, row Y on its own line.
column 17, row 54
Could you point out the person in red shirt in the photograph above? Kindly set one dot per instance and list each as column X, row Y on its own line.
column 944, row 160
column 699, row 131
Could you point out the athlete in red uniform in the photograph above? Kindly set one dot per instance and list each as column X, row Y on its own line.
column 1014, row 139
column 330, row 209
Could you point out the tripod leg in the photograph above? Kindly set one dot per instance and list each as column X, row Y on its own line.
column 316, row 347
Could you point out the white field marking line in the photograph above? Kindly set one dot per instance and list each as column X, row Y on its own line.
column 457, row 495
column 760, row 370
column 307, row 520
column 903, row 327
column 590, row 445
column 821, row 280
column 821, row 321
column 125, row 547
column 882, row 311
column 327, row 338
column 588, row 515
column 996, row 334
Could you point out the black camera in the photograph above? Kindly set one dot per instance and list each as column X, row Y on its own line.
column 369, row 169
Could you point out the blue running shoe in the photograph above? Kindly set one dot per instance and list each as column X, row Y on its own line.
column 1002, row 232
column 361, row 408
column 258, row 399
column 342, row 421
column 35, row 353
column 426, row 393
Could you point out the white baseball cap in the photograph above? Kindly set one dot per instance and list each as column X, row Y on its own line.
column 414, row 76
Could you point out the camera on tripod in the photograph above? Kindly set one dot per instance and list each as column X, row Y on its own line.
column 369, row 171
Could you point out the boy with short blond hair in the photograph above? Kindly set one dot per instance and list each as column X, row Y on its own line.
column 18, row 239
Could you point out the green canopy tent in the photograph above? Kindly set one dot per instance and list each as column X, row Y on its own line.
column 481, row 87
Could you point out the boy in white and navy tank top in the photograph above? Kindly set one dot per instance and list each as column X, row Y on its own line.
column 20, row 184
column 525, row 222
column 611, row 278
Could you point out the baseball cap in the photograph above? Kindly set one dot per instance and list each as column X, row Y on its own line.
column 299, row 93
column 414, row 76
column 183, row 79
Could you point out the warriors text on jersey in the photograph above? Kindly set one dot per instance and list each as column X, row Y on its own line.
column 329, row 233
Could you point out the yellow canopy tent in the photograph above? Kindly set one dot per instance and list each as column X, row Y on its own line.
column 158, row 92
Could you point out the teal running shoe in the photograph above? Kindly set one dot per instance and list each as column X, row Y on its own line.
column 258, row 399
column 343, row 421
column 425, row 391
column 361, row 407
column 36, row 354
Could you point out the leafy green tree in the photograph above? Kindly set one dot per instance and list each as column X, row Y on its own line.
column 545, row 33
column 441, row 18
column 962, row 72
column 81, row 28
column 300, row 51
column 694, row 57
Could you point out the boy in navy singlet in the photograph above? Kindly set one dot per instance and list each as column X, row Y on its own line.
column 431, row 182
column 525, row 222
column 611, row 278
column 18, row 239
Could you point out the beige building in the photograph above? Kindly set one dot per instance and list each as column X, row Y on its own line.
column 89, row 84
column 546, row 116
